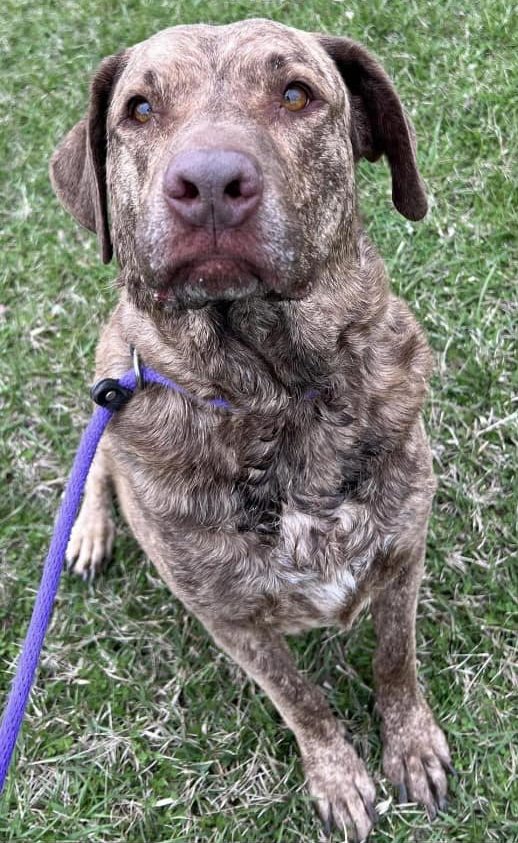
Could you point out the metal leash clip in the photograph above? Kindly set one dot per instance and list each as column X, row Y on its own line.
column 137, row 367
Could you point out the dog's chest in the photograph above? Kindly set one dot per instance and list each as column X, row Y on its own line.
column 268, row 491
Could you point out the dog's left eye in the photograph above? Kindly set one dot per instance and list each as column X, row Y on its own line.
column 295, row 97
column 140, row 109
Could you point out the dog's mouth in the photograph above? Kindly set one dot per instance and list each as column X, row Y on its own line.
column 181, row 276
column 210, row 277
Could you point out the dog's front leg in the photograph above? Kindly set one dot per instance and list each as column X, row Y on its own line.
column 415, row 752
column 91, row 541
column 337, row 778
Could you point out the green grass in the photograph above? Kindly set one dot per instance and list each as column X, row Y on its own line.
column 139, row 730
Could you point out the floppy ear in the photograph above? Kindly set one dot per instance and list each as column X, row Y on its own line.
column 78, row 165
column 379, row 123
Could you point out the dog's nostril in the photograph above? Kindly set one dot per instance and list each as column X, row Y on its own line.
column 190, row 191
column 233, row 189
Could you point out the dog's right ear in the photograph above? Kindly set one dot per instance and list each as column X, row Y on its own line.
column 78, row 165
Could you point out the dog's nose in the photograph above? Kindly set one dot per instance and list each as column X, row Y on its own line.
column 219, row 187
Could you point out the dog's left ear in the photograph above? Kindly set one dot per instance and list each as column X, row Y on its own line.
column 379, row 123
column 78, row 165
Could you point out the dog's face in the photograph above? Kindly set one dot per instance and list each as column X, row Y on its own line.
column 226, row 156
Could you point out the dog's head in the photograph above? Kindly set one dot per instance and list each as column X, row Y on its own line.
column 225, row 155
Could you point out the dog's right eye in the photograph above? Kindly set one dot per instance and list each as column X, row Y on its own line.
column 139, row 109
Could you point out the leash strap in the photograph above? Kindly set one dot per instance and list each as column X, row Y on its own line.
column 42, row 612
column 111, row 394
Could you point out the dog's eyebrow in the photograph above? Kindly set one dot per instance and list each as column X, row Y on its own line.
column 276, row 61
column 151, row 79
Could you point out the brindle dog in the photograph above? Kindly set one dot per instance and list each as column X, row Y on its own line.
column 226, row 156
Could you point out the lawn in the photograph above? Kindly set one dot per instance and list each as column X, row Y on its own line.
column 139, row 729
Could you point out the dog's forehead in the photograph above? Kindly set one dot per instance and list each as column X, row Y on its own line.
column 248, row 46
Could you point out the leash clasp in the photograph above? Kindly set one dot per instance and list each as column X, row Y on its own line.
column 109, row 393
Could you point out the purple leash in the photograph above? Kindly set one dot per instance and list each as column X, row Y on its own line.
column 111, row 394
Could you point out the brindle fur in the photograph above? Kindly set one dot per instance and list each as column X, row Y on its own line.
column 292, row 511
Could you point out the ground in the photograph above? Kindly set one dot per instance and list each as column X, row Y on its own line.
column 139, row 730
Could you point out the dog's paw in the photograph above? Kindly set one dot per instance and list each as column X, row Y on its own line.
column 343, row 791
column 416, row 757
column 91, row 542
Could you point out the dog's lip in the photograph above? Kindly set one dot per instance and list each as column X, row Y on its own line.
column 215, row 255
column 215, row 258
column 213, row 261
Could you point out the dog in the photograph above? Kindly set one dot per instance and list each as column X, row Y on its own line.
column 218, row 163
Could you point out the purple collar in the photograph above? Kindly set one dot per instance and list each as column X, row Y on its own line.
column 112, row 393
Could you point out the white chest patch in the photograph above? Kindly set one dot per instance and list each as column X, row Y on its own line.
column 330, row 595
column 322, row 560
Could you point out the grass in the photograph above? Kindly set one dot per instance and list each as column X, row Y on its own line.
column 139, row 730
